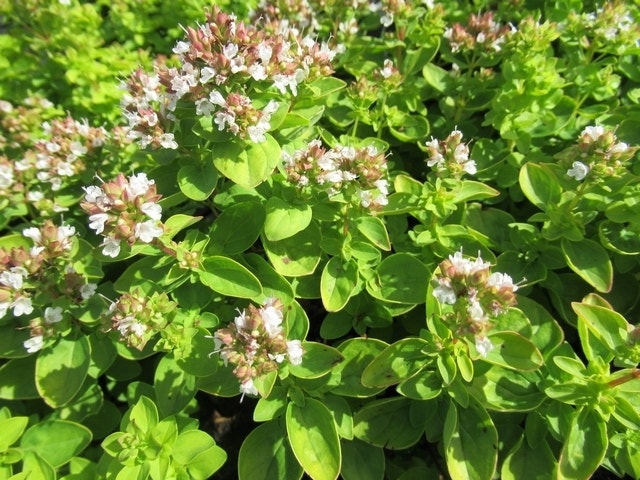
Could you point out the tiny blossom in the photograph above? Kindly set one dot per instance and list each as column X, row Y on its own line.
column 111, row 247
column 88, row 290
column 484, row 346
column 34, row 344
column 22, row 306
column 295, row 351
column 52, row 315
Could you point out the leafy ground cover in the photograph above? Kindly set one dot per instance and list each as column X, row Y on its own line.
column 357, row 240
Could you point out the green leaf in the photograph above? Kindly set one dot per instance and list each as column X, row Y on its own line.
column 437, row 77
column 177, row 223
column 273, row 284
column 470, row 442
column 197, row 181
column 337, row 283
column 507, row 390
column 298, row 255
column 272, row 406
column 605, row 324
column 396, row 363
column 387, row 423
column 314, row 439
column 34, row 466
column 17, row 379
column 317, row 360
column 374, row 230
column 423, row 386
column 266, row 454
column 361, row 461
column 540, row 185
column 236, row 229
column 618, row 238
column 247, row 164
column 528, row 463
column 56, row 441
column 590, row 261
column 195, row 358
column 174, row 387
column 12, row 429
column 402, row 278
column 585, row 447
column 358, row 353
column 471, row 190
column 512, row 350
column 198, row 453
column 142, row 416
column 285, row 219
column 228, row 277
column 61, row 370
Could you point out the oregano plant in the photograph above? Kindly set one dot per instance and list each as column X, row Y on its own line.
column 285, row 239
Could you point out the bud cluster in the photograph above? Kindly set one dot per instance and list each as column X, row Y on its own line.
column 138, row 317
column 450, row 157
column 256, row 343
column 610, row 28
column 598, row 155
column 43, row 268
column 481, row 33
column 42, row 328
column 356, row 173
column 217, row 62
column 476, row 294
column 124, row 209
column 66, row 148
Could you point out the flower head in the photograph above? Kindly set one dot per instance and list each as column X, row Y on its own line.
column 255, row 343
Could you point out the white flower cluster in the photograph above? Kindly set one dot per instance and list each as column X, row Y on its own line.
column 358, row 173
column 598, row 149
column 124, row 209
column 256, row 344
column 450, row 156
column 475, row 294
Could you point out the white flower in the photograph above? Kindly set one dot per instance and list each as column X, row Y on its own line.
column 241, row 320
column 34, row 344
column 111, row 247
column 272, row 318
column 475, row 311
column 500, row 280
column 295, row 351
column 78, row 149
column 484, row 346
column 97, row 222
column 248, row 388
column 466, row 267
column 22, row 306
column 93, row 194
column 204, row 107
column 33, row 233
column 52, row 315
column 578, row 170
column 167, row 140
column 129, row 325
column 152, row 210
column 139, row 184
column 445, row 294
column 147, row 231
column 592, row 133
column 6, row 176
column 181, row 47
column 386, row 19
column 13, row 279
column 206, row 74
column 4, row 308
column 88, row 290
column 470, row 167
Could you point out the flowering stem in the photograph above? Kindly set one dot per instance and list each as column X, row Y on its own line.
column 634, row 374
